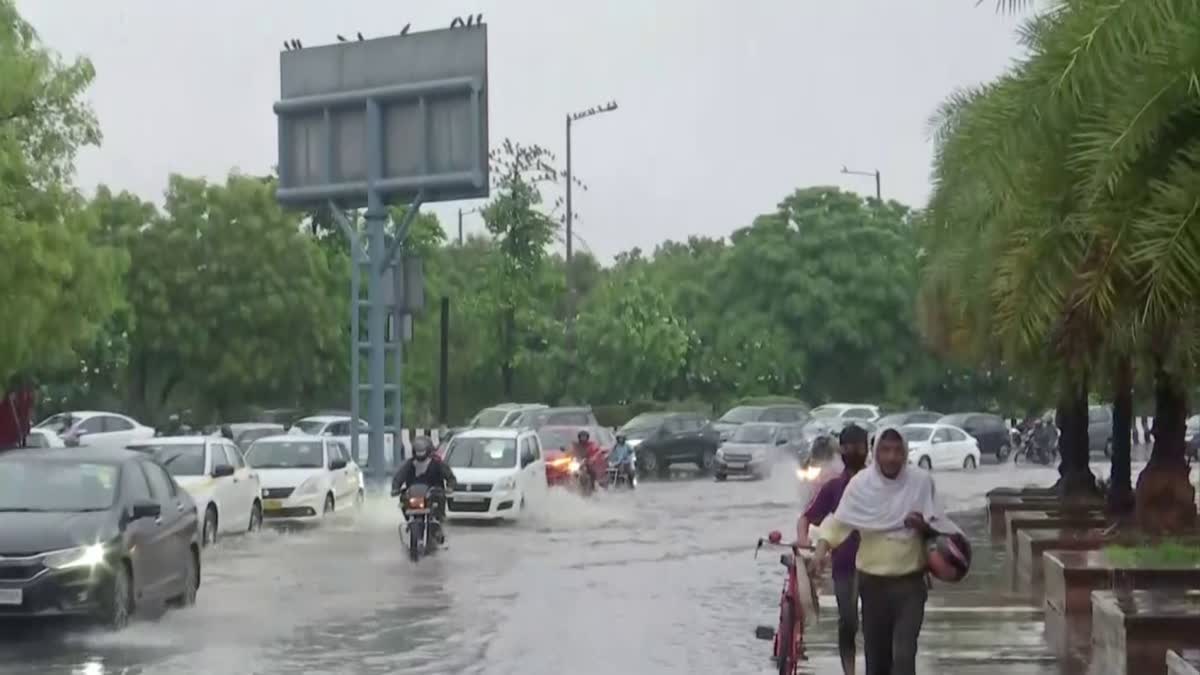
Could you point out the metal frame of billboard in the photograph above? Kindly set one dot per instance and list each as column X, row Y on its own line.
column 402, row 118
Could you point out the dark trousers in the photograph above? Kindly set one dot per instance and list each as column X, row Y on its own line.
column 893, row 609
column 846, row 592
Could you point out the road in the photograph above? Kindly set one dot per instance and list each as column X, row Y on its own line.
column 660, row 581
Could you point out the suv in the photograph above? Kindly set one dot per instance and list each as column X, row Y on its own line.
column 577, row 416
column 663, row 439
column 779, row 413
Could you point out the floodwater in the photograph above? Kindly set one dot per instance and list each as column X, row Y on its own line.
column 659, row 581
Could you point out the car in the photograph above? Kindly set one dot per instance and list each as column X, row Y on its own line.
column 663, row 439
column 93, row 532
column 580, row 416
column 90, row 428
column 743, row 414
column 338, row 427
column 496, row 470
column 853, row 411
column 831, row 426
column 556, row 443
column 245, row 433
column 1100, row 429
column 43, row 438
column 305, row 477
column 502, row 414
column 990, row 430
column 940, row 446
column 754, row 448
column 212, row 470
column 899, row 419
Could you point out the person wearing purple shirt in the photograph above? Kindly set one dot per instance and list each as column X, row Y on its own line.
column 853, row 441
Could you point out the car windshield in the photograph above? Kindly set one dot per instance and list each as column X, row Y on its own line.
column 916, row 434
column 644, row 423
column 740, row 415
column 555, row 438
column 180, row 460
column 896, row 420
column 58, row 423
column 286, row 455
column 482, row 453
column 955, row 420
column 310, row 427
column 247, row 437
column 30, row 485
column 753, row 433
column 825, row 412
column 490, row 417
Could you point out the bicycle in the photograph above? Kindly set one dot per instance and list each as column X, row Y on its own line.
column 788, row 637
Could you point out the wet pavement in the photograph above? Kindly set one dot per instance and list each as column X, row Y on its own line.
column 660, row 581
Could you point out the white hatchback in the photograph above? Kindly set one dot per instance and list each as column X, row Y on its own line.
column 940, row 446
column 213, row 472
column 305, row 477
column 497, row 470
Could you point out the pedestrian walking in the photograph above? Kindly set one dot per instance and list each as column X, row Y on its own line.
column 893, row 508
column 853, row 441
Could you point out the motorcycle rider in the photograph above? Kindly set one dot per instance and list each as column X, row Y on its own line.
column 583, row 449
column 621, row 457
column 425, row 468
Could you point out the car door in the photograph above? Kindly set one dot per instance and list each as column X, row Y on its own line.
column 118, row 431
column 90, row 432
column 170, row 541
column 533, row 473
column 675, row 437
column 245, row 478
column 353, row 472
column 226, row 489
column 142, row 535
column 941, row 450
column 346, row 478
column 963, row 446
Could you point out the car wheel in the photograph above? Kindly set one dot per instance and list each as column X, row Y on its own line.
column 1003, row 451
column 328, row 508
column 969, row 462
column 117, row 608
column 707, row 460
column 924, row 463
column 208, row 533
column 650, row 463
column 256, row 517
column 720, row 477
column 187, row 598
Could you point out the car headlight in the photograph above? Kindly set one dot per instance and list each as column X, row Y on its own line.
column 82, row 556
column 310, row 486
column 263, row 493
column 505, row 484
column 810, row 473
column 573, row 467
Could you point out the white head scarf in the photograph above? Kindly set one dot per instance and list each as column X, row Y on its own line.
column 875, row 503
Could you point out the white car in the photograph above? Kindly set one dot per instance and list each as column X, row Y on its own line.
column 850, row 411
column 94, row 429
column 337, row 427
column 213, row 472
column 940, row 446
column 305, row 477
column 43, row 438
column 496, row 471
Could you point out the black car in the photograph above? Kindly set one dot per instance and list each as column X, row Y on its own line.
column 990, row 430
column 93, row 532
column 788, row 413
column 663, row 439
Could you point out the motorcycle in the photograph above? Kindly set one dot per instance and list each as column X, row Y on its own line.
column 581, row 478
column 623, row 476
column 419, row 504
column 797, row 603
column 1036, row 447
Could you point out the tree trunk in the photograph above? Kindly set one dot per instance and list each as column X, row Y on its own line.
column 1075, row 475
column 1165, row 498
column 507, row 367
column 1120, row 489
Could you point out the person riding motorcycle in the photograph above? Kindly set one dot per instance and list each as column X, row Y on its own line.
column 621, row 458
column 425, row 468
column 583, row 450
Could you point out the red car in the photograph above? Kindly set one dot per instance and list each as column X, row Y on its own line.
column 556, row 445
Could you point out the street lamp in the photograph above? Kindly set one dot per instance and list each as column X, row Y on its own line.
column 875, row 173
column 572, row 118
column 462, row 213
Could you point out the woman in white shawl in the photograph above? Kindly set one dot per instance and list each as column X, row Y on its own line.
column 893, row 507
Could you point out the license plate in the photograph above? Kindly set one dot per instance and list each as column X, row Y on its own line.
column 736, row 465
column 10, row 596
column 468, row 498
column 272, row 504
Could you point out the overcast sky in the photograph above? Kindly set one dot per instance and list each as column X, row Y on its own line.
column 725, row 106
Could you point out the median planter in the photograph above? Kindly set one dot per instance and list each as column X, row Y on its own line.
column 1071, row 576
column 1001, row 505
column 1183, row 662
column 1132, row 631
column 1055, row 519
column 1032, row 543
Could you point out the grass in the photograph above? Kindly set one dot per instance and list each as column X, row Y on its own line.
column 1166, row 554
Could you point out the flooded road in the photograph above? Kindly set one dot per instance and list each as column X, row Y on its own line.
column 660, row 581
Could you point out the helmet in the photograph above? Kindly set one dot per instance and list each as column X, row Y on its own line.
column 583, row 435
column 620, row 438
column 823, row 447
column 949, row 557
column 422, row 447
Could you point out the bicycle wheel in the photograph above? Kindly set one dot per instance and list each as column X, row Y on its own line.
column 785, row 641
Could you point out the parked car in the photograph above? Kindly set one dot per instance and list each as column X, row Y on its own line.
column 990, row 430
column 556, row 443
column 744, row 414
column 754, row 448
column 497, row 470
column 43, row 438
column 580, row 416
column 940, row 446
column 831, row 426
column 1100, row 429
column 212, row 470
column 305, row 477
column 900, row 419
column 94, row 429
column 93, row 532
column 853, row 411
column 663, row 439
column 245, row 433
column 502, row 414
column 337, row 427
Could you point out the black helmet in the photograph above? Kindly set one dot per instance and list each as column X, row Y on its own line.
column 583, row 435
column 422, row 447
column 620, row 438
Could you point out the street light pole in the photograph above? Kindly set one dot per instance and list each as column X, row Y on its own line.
column 571, row 119
column 462, row 213
column 875, row 173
